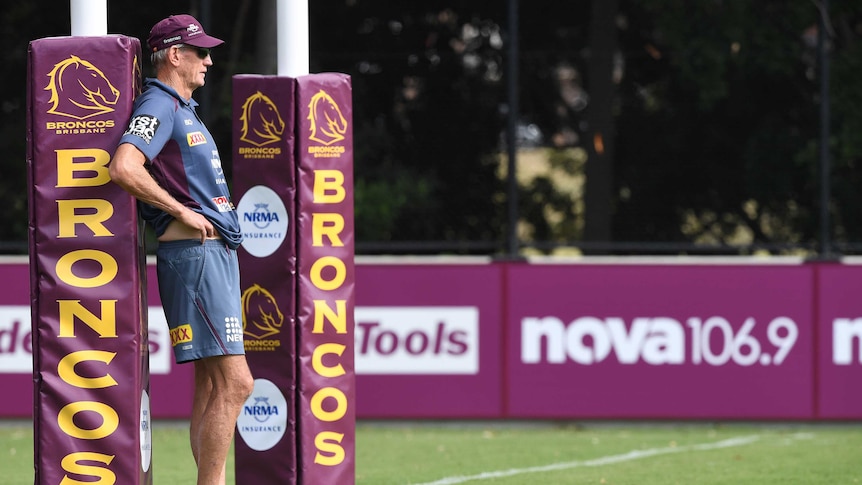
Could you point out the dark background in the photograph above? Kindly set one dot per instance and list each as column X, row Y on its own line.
column 643, row 127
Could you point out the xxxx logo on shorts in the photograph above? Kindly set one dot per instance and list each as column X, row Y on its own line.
column 181, row 335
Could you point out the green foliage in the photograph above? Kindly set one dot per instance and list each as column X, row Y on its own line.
column 716, row 112
column 729, row 117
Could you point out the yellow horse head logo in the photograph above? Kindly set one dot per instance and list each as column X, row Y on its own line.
column 80, row 90
column 261, row 316
column 328, row 125
column 261, row 122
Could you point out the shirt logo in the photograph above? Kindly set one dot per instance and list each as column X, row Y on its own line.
column 143, row 126
column 196, row 138
column 222, row 203
column 80, row 90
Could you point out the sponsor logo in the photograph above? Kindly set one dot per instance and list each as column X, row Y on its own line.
column 222, row 203
column 262, row 318
column 80, row 90
column 327, row 126
column 417, row 340
column 261, row 216
column 144, row 127
column 846, row 335
column 263, row 220
column 217, row 169
column 233, row 329
column 263, row 419
column 261, row 124
column 146, row 434
column 181, row 334
column 196, row 138
column 713, row 341
column 216, row 163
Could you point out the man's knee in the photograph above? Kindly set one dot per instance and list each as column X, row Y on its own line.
column 240, row 382
column 243, row 387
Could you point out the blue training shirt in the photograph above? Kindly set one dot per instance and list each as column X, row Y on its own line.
column 182, row 157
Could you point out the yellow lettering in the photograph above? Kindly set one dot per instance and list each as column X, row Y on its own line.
column 328, row 187
column 66, row 369
column 317, row 273
column 317, row 404
column 329, row 225
column 66, row 421
column 328, row 442
column 317, row 360
column 68, row 216
column 106, row 326
column 72, row 464
column 338, row 318
column 90, row 165
column 107, row 274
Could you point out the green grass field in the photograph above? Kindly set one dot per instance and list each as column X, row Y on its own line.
column 449, row 453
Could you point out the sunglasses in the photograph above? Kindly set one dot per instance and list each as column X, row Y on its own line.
column 202, row 52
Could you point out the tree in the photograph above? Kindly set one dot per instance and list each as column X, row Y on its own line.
column 710, row 115
column 427, row 116
column 718, row 123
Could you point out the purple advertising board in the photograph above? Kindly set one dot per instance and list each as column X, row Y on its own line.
column 90, row 363
column 429, row 340
column 839, row 341
column 16, row 347
column 568, row 341
column 669, row 341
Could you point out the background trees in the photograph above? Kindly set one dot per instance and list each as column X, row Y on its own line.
column 688, row 122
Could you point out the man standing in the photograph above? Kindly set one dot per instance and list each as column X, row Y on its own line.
column 168, row 160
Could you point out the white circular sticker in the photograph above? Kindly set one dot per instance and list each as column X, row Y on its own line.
column 146, row 432
column 263, row 221
column 263, row 419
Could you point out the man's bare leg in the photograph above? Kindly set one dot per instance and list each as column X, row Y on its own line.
column 222, row 385
column 202, row 390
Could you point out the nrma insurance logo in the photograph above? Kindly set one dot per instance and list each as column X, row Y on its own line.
column 263, row 220
column 263, row 419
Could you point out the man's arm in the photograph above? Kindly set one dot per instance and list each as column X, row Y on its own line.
column 127, row 170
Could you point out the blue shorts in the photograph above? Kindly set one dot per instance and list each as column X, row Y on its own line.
column 200, row 291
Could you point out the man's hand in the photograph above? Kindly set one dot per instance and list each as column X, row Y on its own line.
column 199, row 223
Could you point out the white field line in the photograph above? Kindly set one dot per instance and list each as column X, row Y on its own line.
column 604, row 460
